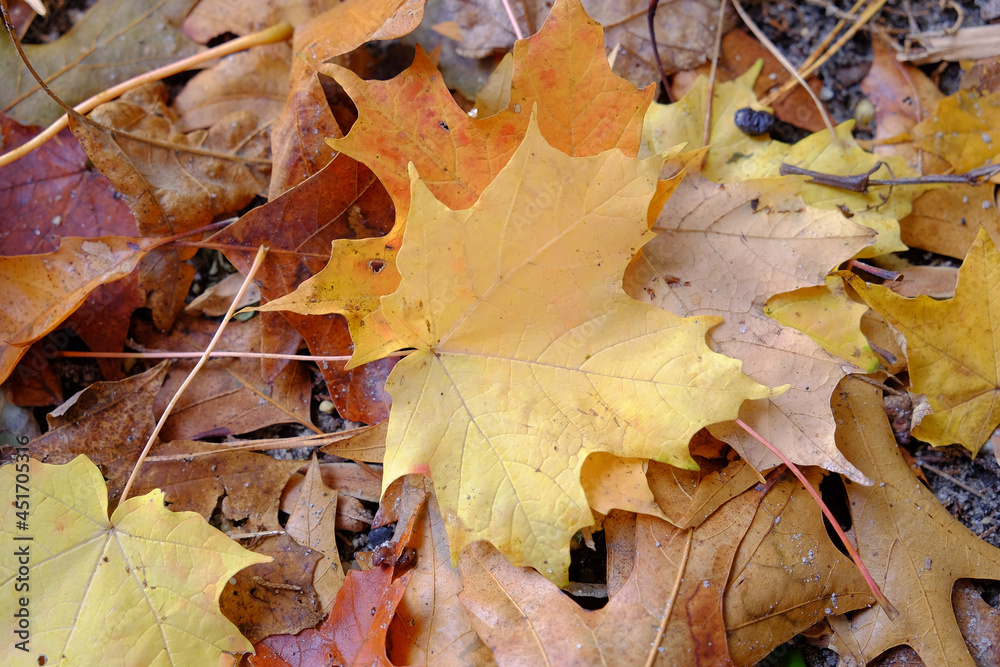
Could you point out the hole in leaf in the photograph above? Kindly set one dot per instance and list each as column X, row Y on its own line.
column 834, row 494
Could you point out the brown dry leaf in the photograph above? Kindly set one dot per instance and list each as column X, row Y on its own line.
column 763, row 240
column 979, row 622
column 527, row 620
column 355, row 631
column 40, row 291
column 946, row 221
column 173, row 182
column 350, row 479
column 688, row 497
column 807, row 577
column 312, row 524
column 368, row 446
column 903, row 96
column 211, row 18
column 254, row 81
column 109, row 422
column 430, row 626
column 114, row 41
column 937, row 282
column 230, row 396
column 249, row 484
column 216, row 300
column 275, row 598
column 913, row 547
column 344, row 200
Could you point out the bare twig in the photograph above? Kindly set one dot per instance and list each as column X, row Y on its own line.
column 513, row 21
column 276, row 33
column 258, row 260
column 861, row 182
column 650, row 15
column 950, row 478
column 759, row 34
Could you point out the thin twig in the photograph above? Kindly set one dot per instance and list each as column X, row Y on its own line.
column 707, row 133
column 314, row 440
column 861, row 182
column 247, row 536
column 650, row 15
column 952, row 479
column 655, row 648
column 880, row 597
column 808, row 68
column 277, row 33
column 257, row 261
column 759, row 34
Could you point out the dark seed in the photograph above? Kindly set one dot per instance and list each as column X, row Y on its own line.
column 754, row 123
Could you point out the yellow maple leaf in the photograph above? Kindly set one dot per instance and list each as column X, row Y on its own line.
column 951, row 348
column 961, row 130
column 734, row 157
column 141, row 589
column 530, row 356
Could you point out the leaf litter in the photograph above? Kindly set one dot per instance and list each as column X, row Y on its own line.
column 440, row 298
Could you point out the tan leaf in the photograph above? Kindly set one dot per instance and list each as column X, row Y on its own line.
column 913, row 547
column 723, row 250
column 312, row 524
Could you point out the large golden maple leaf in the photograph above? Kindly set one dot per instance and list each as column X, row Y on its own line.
column 530, row 356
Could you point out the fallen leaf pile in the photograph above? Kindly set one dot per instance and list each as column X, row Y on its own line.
column 560, row 317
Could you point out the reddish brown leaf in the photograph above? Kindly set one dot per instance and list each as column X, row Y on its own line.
column 230, row 396
column 344, row 200
column 109, row 422
column 275, row 598
column 355, row 631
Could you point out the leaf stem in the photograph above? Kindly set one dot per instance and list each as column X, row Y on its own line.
column 257, row 261
column 880, row 597
column 276, row 33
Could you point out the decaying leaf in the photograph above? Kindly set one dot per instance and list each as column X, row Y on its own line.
column 144, row 585
column 517, row 315
column 113, row 42
column 355, row 631
column 109, row 423
column 173, row 182
column 952, row 349
column 312, row 525
column 806, row 577
column 230, row 397
column 913, row 547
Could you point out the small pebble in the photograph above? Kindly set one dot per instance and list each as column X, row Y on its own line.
column 326, row 407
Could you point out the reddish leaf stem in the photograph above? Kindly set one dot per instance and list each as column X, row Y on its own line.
column 221, row 353
column 880, row 597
